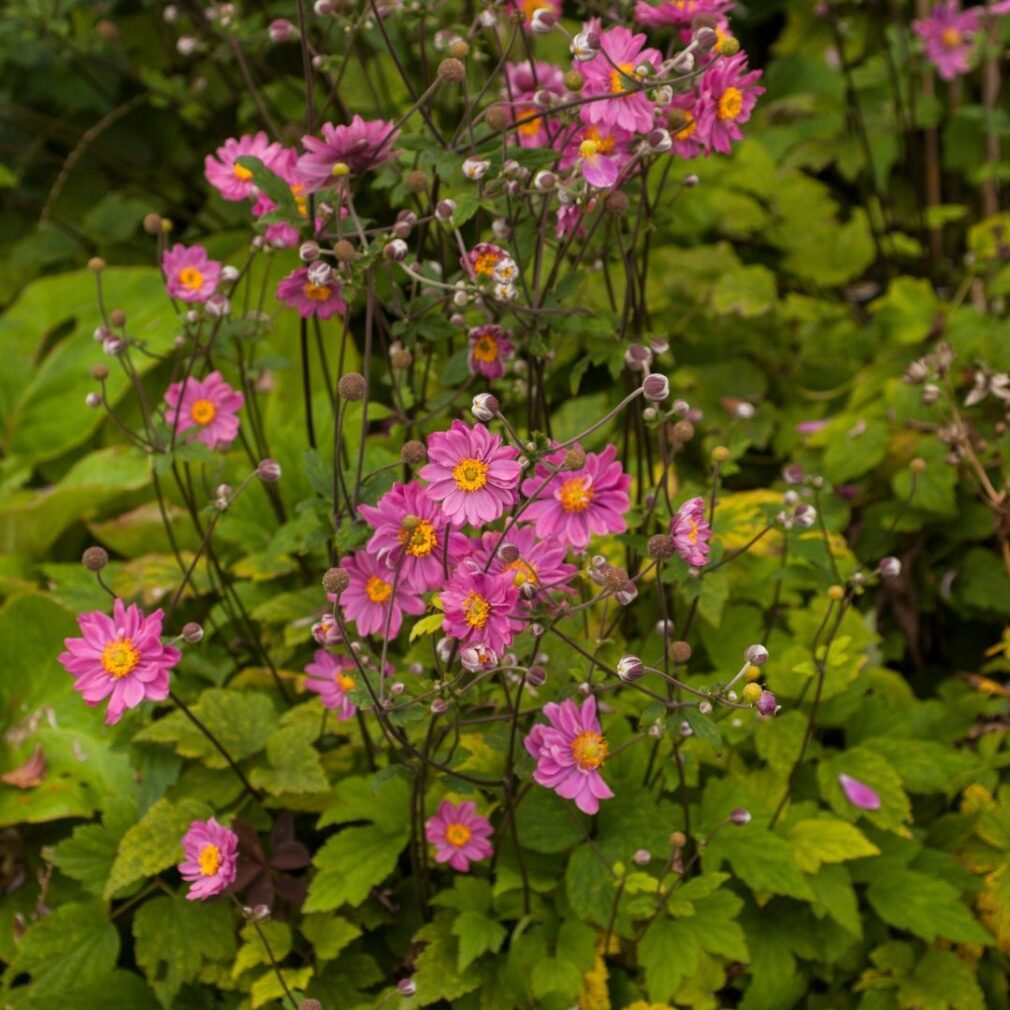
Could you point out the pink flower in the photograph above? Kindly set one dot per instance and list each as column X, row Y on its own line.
column 859, row 794
column 328, row 677
column 210, row 406
column 310, row 297
column 678, row 12
column 575, row 504
column 369, row 600
column 726, row 96
column 528, row 8
column 234, row 181
column 471, row 474
column 483, row 258
column 683, row 125
column 490, row 348
column 538, row 564
column 211, row 855
column 948, row 36
column 570, row 752
column 479, row 608
column 189, row 274
column 410, row 531
column 460, row 835
column 120, row 658
column 612, row 72
column 691, row 532
column 359, row 146
column 522, row 82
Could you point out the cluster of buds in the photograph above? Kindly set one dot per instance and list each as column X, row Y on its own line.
column 614, row 580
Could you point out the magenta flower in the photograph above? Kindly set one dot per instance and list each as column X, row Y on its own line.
column 369, row 600
column 859, row 794
column 120, row 658
column 208, row 406
column 691, row 532
column 679, row 13
column 351, row 149
column 480, row 608
column 570, row 752
column 726, row 97
column 328, row 677
column 490, row 348
column 234, row 181
column 683, row 125
column 538, row 564
column 310, row 297
column 189, row 274
column 460, row 835
column 471, row 474
column 575, row 504
column 410, row 531
column 948, row 36
column 211, row 856
column 612, row 72
column 522, row 82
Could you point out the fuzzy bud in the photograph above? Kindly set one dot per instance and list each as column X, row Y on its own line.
column 889, row 567
column 406, row 987
column 439, row 706
column 918, row 465
column 352, row 386
column 683, row 431
column 616, row 203
column 336, row 580
column 751, row 693
column 661, row 546
column 268, row 471
column 756, row 655
column 192, row 633
column 451, row 71
column 93, row 401
column 545, row 181
column 656, row 387
column 497, row 117
column 680, row 651
column 117, row 317
column 95, row 559
column 416, row 181
column 413, row 452
column 484, row 407
column 280, row 30
column 459, row 48
column 766, row 704
column 705, row 38
column 836, row 593
column 444, row 210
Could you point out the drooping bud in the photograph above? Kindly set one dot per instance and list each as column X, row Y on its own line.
column 439, row 706
column 269, row 471
column 478, row 658
column 484, row 406
column 508, row 553
column 192, row 633
column 656, row 387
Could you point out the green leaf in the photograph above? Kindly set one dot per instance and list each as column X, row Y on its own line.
column 124, row 990
column 253, row 951
column 268, row 987
column 477, row 935
column 942, row 981
column 589, row 886
column 556, row 975
column 437, row 975
column 88, row 854
column 175, row 936
column 243, row 721
column 154, row 843
column 747, row 291
column 294, row 763
column 762, row 860
column 703, row 726
column 329, row 934
column 351, row 863
column 836, row 897
column 669, row 953
column 872, row 768
column 826, row 840
column 427, row 626
column 543, row 824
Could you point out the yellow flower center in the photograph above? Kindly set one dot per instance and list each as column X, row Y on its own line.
column 950, row 38
column 203, row 411
column 530, row 7
column 590, row 750
column 457, row 834
column 345, row 681
column 420, row 541
column 378, row 590
column 241, row 172
column 692, row 533
column 301, row 200
column 689, row 127
column 604, row 145
column 485, row 348
column 470, row 474
column 589, row 149
column 531, row 127
column 619, row 82
column 317, row 292
column 476, row 610
column 576, row 495
column 209, row 860
column 119, row 657
column 730, row 103
column 524, row 572
column 486, row 262
column 190, row 277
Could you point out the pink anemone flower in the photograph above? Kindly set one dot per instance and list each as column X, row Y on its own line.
column 370, row 601
column 328, row 676
column 190, row 275
column 211, row 858
column 460, row 835
column 232, row 180
column 614, row 72
column 207, row 407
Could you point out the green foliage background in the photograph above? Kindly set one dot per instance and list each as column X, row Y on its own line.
column 796, row 276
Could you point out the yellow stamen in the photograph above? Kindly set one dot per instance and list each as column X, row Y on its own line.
column 950, row 38
column 485, row 348
column 619, row 82
column 203, row 411
column 589, row 149
column 346, row 682
column 730, row 104
column 378, row 590
column 119, row 657
column 576, row 495
column 476, row 610
column 241, row 172
column 209, row 860
column 421, row 540
column 190, row 277
column 524, row 572
column 317, row 292
column 590, row 750
column 457, row 834
column 470, row 474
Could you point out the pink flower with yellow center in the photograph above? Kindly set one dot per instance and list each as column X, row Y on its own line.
column 522, row 82
column 683, row 125
column 311, row 298
column 727, row 95
column 350, row 149
column 483, row 258
column 370, row 600
column 691, row 532
column 539, row 565
column 574, row 505
column 211, row 859
column 570, row 753
column 481, row 608
column 120, row 658
column 471, row 474
column 410, row 531
column 490, row 348
column 232, row 180
column 679, row 13
column 614, row 76
column 190, row 275
column 460, row 835
column 333, row 676
column 207, row 408
column 948, row 36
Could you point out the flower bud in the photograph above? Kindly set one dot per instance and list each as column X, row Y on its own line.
column 497, row 117
column 545, row 181
column 585, row 46
column 352, row 386
column 269, row 471
column 96, row 264
column 444, row 210
column 439, row 706
column 543, row 21
column 574, row 458
column 659, row 141
column 756, row 655
column 836, row 593
column 678, row 839
column 751, row 693
column 804, row 516
column 117, row 317
column 95, row 559
column 336, row 580
column 630, row 669
column 396, row 250
column 192, row 633
column 680, row 651
column 918, row 465
column 406, row 987
column 478, row 658
column 280, row 30
column 656, row 387
column 766, row 704
column 642, row 857
column 705, row 38
column 310, row 1004
column 889, row 567
column 93, row 401
column 443, row 649
column 683, row 62
column 475, row 168
column 536, row 676
column 661, row 546
column 705, row 707
column 508, row 553
column 451, row 71
column 740, row 817
column 484, row 406
column 691, row 180
column 413, row 452
column 616, row 203
column 574, row 80
column 308, row 252
column 416, row 181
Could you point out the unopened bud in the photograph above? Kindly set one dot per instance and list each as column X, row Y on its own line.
column 656, row 387
column 352, row 386
column 484, row 406
column 740, row 817
column 192, row 633
column 889, row 567
column 406, row 987
column 451, row 71
column 727, row 46
column 918, row 465
column 616, row 203
column 545, row 181
column 680, row 651
column 152, row 224
column 96, row 264
column 95, row 559
column 574, row 80
column 766, row 704
column 439, row 706
column 269, row 471
column 444, row 210
column 630, row 669
column 336, row 580
column 642, row 857
column 756, row 655
column 416, row 181
column 117, row 317
column 93, row 401
column 413, row 452
column 661, row 546
column 396, row 250
column 280, row 30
